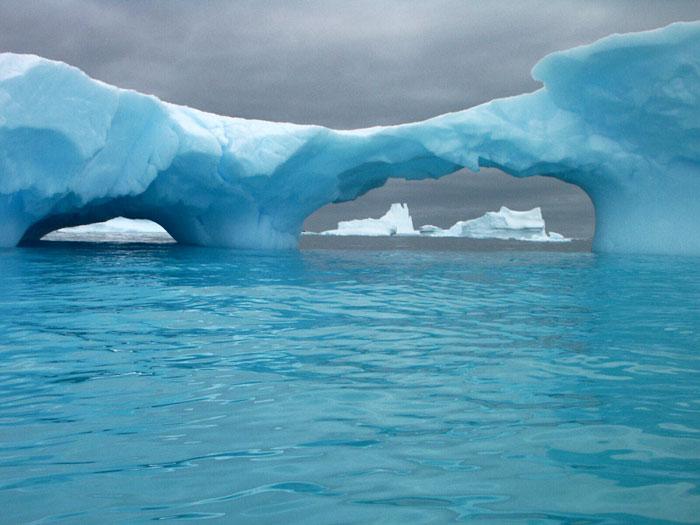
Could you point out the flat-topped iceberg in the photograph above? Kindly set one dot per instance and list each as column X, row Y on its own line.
column 396, row 221
column 502, row 224
column 620, row 118
column 119, row 229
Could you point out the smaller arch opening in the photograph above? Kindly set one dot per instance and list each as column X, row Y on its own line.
column 116, row 230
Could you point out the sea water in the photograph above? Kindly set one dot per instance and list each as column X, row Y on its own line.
column 160, row 382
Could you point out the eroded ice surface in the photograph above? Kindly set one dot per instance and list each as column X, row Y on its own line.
column 620, row 118
column 502, row 224
column 396, row 221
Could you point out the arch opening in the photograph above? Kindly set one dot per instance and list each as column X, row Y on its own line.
column 464, row 195
column 118, row 229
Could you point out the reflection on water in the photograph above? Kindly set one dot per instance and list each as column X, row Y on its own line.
column 162, row 382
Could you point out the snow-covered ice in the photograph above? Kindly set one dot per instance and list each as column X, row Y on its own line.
column 119, row 229
column 502, row 224
column 619, row 118
column 396, row 221
column 428, row 229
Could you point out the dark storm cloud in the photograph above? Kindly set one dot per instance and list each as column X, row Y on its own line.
column 343, row 64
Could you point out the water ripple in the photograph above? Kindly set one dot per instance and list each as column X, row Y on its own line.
column 171, row 383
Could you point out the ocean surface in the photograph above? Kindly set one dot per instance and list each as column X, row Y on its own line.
column 146, row 382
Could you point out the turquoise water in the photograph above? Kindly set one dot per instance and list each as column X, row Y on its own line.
column 142, row 383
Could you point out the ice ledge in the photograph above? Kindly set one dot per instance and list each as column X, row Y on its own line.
column 620, row 118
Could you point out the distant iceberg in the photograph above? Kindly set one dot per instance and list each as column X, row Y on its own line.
column 119, row 229
column 397, row 221
column 502, row 224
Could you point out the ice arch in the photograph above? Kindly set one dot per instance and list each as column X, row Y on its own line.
column 620, row 118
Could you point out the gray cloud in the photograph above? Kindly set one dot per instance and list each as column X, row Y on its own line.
column 340, row 64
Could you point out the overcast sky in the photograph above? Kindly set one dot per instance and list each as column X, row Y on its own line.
column 340, row 64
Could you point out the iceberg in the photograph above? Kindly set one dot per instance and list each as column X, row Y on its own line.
column 429, row 229
column 396, row 221
column 119, row 229
column 503, row 224
column 619, row 118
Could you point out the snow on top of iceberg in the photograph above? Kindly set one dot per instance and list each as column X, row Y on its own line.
column 119, row 229
column 516, row 220
column 503, row 224
column 119, row 224
column 399, row 216
column 14, row 65
column 396, row 221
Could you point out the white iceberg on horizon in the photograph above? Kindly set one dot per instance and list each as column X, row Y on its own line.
column 429, row 229
column 502, row 224
column 119, row 229
column 396, row 221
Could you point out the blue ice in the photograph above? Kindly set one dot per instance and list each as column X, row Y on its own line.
column 619, row 118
